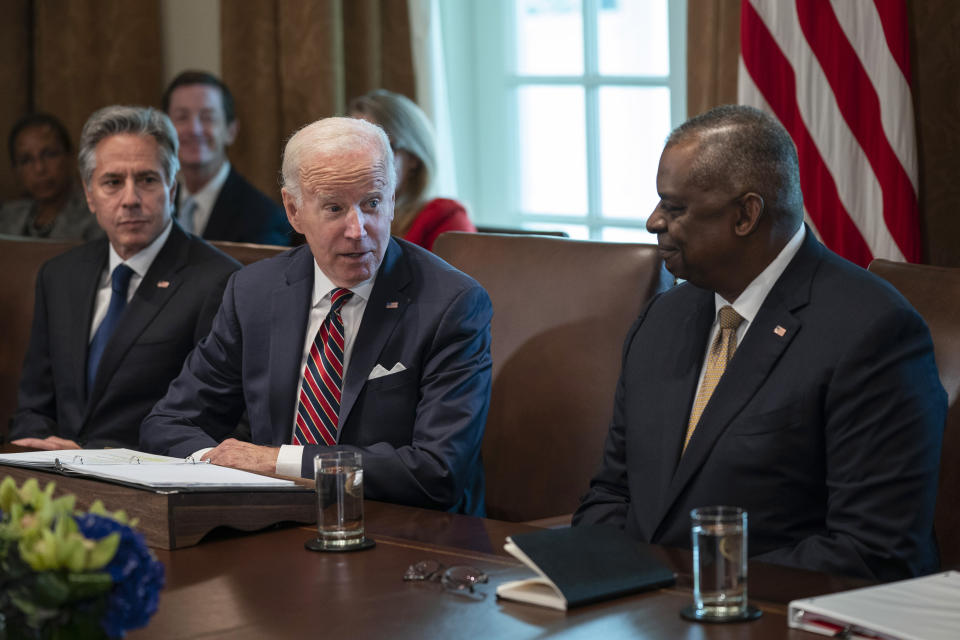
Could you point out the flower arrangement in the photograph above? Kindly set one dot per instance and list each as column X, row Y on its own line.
column 69, row 574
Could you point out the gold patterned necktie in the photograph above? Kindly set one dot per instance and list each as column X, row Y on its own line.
column 721, row 351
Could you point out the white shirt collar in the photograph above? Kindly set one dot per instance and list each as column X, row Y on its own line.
column 322, row 286
column 748, row 303
column 141, row 261
column 207, row 195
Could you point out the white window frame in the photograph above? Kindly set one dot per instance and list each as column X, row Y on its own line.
column 478, row 47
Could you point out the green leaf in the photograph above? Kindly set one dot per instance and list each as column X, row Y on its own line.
column 51, row 588
column 8, row 494
column 88, row 585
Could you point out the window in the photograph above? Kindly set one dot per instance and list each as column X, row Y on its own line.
column 560, row 109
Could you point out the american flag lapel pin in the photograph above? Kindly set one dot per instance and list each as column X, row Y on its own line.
column 163, row 284
column 393, row 305
column 780, row 331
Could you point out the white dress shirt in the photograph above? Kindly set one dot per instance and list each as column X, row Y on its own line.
column 204, row 199
column 749, row 302
column 139, row 263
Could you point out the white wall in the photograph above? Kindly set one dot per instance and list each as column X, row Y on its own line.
column 191, row 36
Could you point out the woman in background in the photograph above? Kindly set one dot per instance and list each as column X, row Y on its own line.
column 42, row 158
column 417, row 218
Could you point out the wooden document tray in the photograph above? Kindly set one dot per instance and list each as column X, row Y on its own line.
column 170, row 519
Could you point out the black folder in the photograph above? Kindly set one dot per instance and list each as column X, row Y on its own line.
column 581, row 565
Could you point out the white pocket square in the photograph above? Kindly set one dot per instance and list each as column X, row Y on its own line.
column 379, row 371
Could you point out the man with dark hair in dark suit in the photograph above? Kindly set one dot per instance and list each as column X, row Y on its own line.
column 779, row 377
column 115, row 318
column 214, row 200
column 356, row 342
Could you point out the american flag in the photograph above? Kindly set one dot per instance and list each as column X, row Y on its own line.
column 837, row 75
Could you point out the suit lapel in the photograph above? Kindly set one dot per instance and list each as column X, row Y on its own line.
column 769, row 335
column 81, row 294
column 218, row 224
column 377, row 325
column 289, row 311
column 689, row 346
column 157, row 287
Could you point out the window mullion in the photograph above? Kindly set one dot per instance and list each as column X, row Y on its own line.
column 591, row 53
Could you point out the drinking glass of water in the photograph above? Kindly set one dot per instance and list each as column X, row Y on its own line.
column 339, row 476
column 719, row 537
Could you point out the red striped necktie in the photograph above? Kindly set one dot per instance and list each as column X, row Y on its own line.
column 318, row 410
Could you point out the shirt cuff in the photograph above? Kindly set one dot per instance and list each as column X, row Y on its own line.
column 196, row 456
column 290, row 460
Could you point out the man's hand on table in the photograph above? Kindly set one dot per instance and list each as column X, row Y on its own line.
column 50, row 443
column 243, row 455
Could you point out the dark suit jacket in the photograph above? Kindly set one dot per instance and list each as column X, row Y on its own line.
column 159, row 327
column 242, row 213
column 419, row 430
column 829, row 435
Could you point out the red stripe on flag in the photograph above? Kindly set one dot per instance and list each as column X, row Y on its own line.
column 860, row 106
column 776, row 80
column 893, row 17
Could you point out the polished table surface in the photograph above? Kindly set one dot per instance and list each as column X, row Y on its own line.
column 266, row 585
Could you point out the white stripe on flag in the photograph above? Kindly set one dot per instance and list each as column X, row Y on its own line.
column 861, row 24
column 857, row 185
column 748, row 93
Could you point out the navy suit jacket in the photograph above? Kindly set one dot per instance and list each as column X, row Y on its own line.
column 242, row 213
column 826, row 426
column 159, row 327
column 419, row 430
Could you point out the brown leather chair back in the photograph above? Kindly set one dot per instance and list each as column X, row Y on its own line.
column 561, row 310
column 247, row 252
column 935, row 294
column 20, row 260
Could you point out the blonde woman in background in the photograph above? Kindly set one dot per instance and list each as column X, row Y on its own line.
column 417, row 218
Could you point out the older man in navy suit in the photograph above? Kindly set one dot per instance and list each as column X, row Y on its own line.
column 355, row 342
column 779, row 378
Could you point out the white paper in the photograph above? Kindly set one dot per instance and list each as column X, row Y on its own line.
column 926, row 608
column 83, row 456
column 178, row 474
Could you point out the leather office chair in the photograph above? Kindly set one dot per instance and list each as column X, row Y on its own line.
column 247, row 252
column 935, row 294
column 20, row 260
column 522, row 232
column 561, row 310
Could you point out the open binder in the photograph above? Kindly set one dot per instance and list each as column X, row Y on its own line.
column 926, row 608
column 581, row 565
column 145, row 470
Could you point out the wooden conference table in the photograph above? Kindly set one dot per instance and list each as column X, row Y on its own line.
column 266, row 585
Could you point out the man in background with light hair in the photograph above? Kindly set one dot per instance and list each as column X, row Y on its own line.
column 115, row 318
column 355, row 342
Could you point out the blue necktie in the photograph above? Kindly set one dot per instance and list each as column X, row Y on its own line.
column 119, row 281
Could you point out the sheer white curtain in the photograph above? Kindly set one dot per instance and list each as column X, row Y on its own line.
column 431, row 78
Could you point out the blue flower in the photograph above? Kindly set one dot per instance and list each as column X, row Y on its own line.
column 137, row 576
